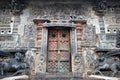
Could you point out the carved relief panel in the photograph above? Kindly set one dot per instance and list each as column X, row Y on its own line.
column 57, row 12
column 79, row 67
column 40, row 62
column 89, row 37
column 89, row 55
column 29, row 31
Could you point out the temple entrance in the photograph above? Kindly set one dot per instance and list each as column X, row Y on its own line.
column 58, row 50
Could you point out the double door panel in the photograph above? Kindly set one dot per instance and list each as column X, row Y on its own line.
column 58, row 51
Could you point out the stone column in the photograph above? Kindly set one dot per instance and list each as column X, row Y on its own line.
column 78, row 58
column 41, row 46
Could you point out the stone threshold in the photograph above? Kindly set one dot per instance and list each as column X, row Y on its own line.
column 55, row 75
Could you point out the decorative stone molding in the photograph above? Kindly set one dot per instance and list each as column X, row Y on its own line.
column 59, row 23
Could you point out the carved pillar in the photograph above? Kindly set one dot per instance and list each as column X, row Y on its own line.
column 41, row 45
column 73, row 47
column 88, row 46
column 78, row 58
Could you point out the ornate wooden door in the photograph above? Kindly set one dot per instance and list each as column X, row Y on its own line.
column 58, row 51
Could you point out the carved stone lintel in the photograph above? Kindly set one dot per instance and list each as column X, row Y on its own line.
column 36, row 21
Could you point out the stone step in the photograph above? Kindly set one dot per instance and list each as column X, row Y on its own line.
column 64, row 79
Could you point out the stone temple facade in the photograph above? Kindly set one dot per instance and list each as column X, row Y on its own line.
column 65, row 36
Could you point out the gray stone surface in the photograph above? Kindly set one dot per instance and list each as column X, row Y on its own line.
column 23, row 33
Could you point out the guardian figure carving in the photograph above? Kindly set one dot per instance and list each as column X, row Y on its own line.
column 13, row 64
column 110, row 61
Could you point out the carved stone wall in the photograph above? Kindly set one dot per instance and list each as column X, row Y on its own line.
column 107, row 40
column 5, row 28
column 25, row 34
column 22, row 24
column 5, row 20
column 88, row 45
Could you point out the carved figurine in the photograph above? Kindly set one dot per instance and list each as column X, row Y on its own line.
column 29, row 59
column 13, row 64
column 107, row 61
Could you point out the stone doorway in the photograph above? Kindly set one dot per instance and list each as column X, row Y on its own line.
column 58, row 56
